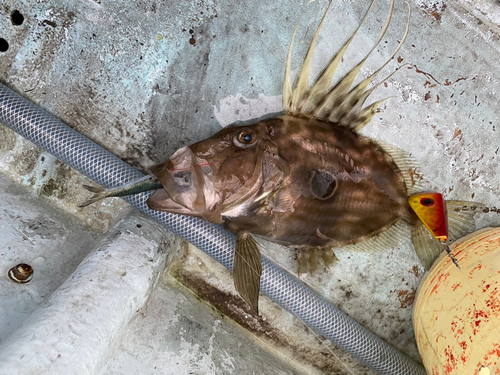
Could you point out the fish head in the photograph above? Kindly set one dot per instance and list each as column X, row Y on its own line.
column 229, row 170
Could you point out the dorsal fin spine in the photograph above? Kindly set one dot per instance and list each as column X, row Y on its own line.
column 340, row 90
column 302, row 83
column 322, row 84
column 341, row 104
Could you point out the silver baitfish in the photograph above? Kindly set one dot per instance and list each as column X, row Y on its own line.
column 307, row 179
column 134, row 187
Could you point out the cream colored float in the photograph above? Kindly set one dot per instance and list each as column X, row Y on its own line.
column 456, row 316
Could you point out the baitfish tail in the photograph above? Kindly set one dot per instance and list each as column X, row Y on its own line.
column 99, row 193
column 135, row 187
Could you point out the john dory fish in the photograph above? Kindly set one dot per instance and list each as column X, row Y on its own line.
column 306, row 179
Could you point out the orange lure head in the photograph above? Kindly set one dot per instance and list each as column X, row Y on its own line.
column 431, row 209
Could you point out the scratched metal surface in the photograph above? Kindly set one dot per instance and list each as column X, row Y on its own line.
column 144, row 79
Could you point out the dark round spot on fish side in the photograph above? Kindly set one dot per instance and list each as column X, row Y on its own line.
column 323, row 184
column 192, row 41
column 427, row 202
column 17, row 18
column 4, row 45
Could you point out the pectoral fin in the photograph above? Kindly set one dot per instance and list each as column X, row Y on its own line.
column 247, row 269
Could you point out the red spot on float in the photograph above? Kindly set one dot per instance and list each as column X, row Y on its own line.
column 451, row 363
column 456, row 286
column 434, row 288
column 477, row 317
column 495, row 354
column 477, row 268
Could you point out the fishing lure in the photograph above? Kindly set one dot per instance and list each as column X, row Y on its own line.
column 431, row 209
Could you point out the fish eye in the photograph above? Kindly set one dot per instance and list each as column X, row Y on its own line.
column 245, row 137
column 427, row 202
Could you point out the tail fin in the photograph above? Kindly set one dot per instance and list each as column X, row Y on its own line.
column 341, row 104
column 99, row 193
column 460, row 223
column 461, row 218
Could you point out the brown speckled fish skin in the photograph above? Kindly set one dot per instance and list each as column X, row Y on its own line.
column 369, row 194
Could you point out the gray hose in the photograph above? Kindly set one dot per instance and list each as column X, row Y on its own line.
column 107, row 170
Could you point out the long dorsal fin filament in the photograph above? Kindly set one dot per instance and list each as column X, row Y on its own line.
column 341, row 104
column 302, row 83
column 320, row 88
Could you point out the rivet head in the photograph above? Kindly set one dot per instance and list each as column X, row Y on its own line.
column 21, row 274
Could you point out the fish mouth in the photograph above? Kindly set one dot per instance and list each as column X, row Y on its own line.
column 161, row 201
column 191, row 187
column 187, row 187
